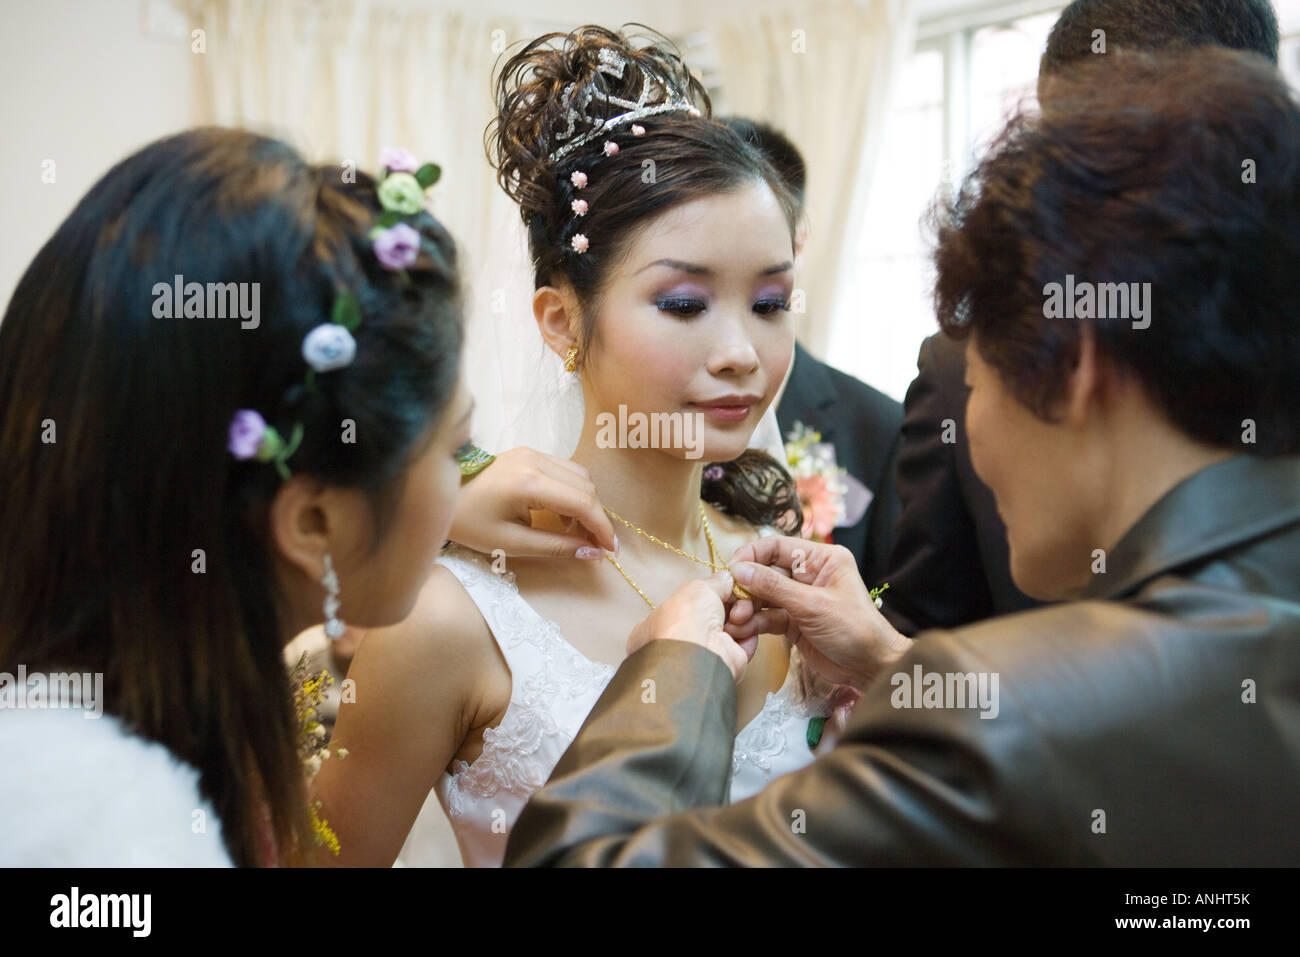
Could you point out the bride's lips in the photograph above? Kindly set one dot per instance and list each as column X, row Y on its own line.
column 728, row 408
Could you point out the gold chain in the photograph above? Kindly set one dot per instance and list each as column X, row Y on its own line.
column 672, row 548
column 708, row 535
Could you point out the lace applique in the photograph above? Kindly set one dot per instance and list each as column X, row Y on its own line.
column 511, row 759
column 507, row 760
column 764, row 738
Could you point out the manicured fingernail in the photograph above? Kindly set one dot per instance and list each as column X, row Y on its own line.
column 615, row 544
column 586, row 551
column 744, row 572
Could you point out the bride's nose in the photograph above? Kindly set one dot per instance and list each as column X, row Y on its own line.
column 731, row 351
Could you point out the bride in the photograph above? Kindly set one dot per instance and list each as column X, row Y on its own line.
column 662, row 248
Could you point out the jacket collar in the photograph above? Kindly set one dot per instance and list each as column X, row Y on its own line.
column 814, row 381
column 1224, row 505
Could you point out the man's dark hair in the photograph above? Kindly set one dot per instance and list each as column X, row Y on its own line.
column 778, row 150
column 1179, row 169
column 1156, row 24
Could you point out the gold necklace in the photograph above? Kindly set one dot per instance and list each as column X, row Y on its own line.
column 708, row 535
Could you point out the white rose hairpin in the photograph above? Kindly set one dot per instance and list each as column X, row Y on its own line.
column 331, row 345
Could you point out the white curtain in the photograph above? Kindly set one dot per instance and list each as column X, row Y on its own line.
column 343, row 79
column 822, row 72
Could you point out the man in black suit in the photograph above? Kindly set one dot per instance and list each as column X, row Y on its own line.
column 949, row 561
column 862, row 423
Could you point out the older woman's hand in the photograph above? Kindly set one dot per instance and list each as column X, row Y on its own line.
column 812, row 594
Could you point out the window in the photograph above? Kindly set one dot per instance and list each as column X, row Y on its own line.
column 965, row 78
column 955, row 94
column 886, row 312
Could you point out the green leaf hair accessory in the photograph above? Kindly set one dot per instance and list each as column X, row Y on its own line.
column 346, row 312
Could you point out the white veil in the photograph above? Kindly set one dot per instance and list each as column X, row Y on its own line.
column 522, row 394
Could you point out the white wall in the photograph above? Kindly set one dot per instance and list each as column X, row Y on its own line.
column 87, row 82
column 83, row 86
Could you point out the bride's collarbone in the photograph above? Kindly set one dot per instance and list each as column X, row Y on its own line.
column 592, row 606
column 595, row 610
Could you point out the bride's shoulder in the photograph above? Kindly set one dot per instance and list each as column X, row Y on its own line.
column 443, row 646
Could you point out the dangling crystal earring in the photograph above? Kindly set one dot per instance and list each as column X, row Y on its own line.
column 333, row 625
column 571, row 359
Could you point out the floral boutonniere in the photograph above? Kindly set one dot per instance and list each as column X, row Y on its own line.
column 308, row 690
column 830, row 497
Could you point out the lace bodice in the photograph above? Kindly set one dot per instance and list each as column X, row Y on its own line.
column 554, row 687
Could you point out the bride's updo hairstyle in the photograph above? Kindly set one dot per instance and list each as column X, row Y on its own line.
column 114, row 432
column 694, row 156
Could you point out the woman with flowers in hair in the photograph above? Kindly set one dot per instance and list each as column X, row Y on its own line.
column 181, row 496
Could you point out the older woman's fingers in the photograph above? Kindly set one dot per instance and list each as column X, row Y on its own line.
column 769, row 621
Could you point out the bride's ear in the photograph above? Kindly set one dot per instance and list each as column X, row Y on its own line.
column 556, row 311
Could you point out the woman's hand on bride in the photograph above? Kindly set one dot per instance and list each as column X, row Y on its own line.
column 696, row 612
column 493, row 510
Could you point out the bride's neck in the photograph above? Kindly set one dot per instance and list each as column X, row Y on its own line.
column 649, row 487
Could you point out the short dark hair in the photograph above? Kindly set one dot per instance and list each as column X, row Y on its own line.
column 1156, row 24
column 1144, row 175
column 779, row 150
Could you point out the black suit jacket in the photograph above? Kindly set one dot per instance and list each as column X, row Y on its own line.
column 950, row 564
column 863, row 424
column 1154, row 723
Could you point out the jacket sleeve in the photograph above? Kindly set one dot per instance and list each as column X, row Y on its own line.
column 641, row 783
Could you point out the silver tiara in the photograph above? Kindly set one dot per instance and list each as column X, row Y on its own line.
column 654, row 98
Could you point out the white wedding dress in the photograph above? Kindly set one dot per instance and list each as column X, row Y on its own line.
column 554, row 687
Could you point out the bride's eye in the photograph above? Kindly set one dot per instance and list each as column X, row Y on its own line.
column 686, row 308
column 766, row 307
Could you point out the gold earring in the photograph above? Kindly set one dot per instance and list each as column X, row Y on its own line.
column 571, row 359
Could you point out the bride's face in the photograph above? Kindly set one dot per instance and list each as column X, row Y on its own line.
column 695, row 320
